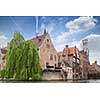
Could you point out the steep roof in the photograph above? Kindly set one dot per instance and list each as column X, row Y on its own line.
column 38, row 40
column 70, row 51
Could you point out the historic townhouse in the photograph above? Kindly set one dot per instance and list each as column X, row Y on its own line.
column 77, row 60
column 93, row 70
column 69, row 57
column 47, row 53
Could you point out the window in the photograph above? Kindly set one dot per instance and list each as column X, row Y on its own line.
column 38, row 49
column 55, row 57
column 51, row 57
column 78, row 56
column 47, row 40
column 48, row 46
column 39, row 40
column 74, row 55
column 74, row 59
column 47, row 64
column 77, row 61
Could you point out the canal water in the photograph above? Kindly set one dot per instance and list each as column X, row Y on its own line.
column 68, row 81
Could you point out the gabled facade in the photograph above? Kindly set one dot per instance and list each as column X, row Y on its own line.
column 47, row 53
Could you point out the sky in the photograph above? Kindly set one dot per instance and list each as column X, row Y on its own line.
column 64, row 30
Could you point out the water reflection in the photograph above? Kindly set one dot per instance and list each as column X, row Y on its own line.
column 54, row 81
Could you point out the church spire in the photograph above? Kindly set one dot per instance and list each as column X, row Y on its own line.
column 45, row 32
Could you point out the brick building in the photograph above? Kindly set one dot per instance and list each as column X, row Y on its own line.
column 93, row 70
column 3, row 52
column 69, row 57
column 83, row 65
column 47, row 53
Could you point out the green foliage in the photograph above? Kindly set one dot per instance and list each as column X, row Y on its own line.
column 22, row 60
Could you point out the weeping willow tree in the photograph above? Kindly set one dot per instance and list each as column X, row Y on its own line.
column 22, row 60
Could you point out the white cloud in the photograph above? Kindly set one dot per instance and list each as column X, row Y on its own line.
column 42, row 27
column 93, row 45
column 3, row 40
column 93, row 42
column 81, row 24
column 77, row 26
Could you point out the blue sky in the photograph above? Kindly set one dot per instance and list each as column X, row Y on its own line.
column 63, row 30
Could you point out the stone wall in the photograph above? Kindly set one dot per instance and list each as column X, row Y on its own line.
column 52, row 76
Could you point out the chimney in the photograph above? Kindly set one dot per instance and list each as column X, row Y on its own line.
column 95, row 62
column 66, row 46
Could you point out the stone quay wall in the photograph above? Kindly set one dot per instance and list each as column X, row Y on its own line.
column 53, row 76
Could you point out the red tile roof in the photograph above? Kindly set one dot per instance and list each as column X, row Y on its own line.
column 70, row 51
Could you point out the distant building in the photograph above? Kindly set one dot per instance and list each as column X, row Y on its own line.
column 83, row 65
column 94, row 70
column 74, row 61
column 84, row 59
column 69, row 57
column 3, row 52
column 47, row 53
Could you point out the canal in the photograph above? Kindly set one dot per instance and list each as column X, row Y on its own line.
column 55, row 81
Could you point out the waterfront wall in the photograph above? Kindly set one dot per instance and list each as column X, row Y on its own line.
column 53, row 76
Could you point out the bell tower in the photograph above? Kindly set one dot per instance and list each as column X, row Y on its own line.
column 85, row 48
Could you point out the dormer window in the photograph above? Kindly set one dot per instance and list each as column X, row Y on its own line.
column 47, row 40
column 39, row 40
